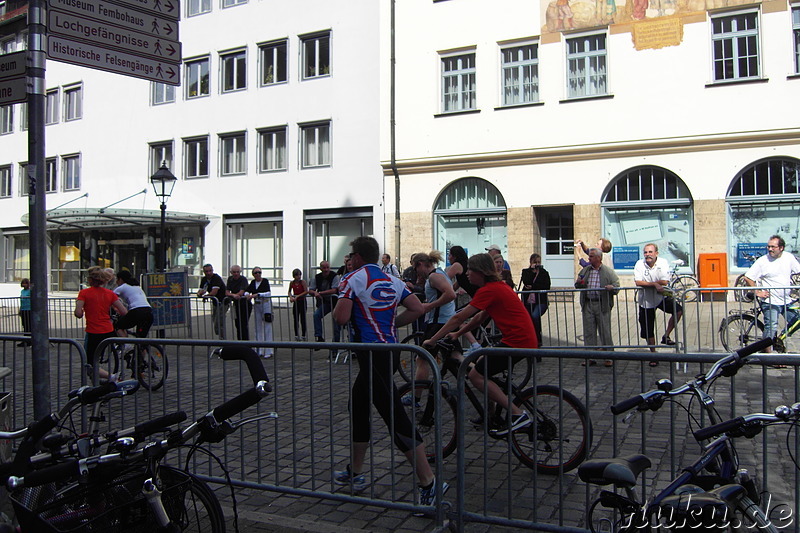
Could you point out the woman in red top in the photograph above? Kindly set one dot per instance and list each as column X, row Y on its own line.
column 298, row 289
column 95, row 303
column 497, row 301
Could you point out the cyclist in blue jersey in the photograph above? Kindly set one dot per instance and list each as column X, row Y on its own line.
column 368, row 299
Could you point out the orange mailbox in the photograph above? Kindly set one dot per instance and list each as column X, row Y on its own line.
column 713, row 271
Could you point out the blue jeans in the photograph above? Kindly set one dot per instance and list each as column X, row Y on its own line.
column 771, row 313
column 319, row 313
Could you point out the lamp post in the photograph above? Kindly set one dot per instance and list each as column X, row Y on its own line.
column 163, row 182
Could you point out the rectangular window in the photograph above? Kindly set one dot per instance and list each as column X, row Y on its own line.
column 7, row 46
column 23, row 179
column 315, row 140
column 586, row 66
column 71, row 171
column 50, row 176
column 272, row 149
column 197, row 78
column 231, row 3
column 316, row 55
column 234, row 71
column 259, row 242
column 233, row 154
column 23, row 116
column 458, row 83
column 161, row 93
column 273, row 62
column 5, row 181
column 796, row 31
column 735, row 44
column 18, row 256
column 520, row 74
column 6, row 119
column 197, row 7
column 73, row 102
column 196, row 154
column 51, row 107
column 160, row 153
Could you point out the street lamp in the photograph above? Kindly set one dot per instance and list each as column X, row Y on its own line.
column 163, row 182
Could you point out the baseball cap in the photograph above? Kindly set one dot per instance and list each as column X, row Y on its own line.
column 493, row 247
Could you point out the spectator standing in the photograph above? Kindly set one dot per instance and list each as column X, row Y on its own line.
column 213, row 288
column 25, row 309
column 597, row 302
column 535, row 278
column 775, row 269
column 387, row 267
column 375, row 321
column 652, row 275
column 235, row 290
column 298, row 289
column 502, row 271
column 416, row 285
column 324, row 288
column 258, row 291
column 494, row 250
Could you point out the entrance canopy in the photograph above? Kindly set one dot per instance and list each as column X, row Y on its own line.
column 96, row 218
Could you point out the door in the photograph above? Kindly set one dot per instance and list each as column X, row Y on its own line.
column 558, row 244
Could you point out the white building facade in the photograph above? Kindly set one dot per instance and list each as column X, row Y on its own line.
column 272, row 136
column 531, row 124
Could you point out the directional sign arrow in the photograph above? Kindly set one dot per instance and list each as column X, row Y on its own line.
column 123, row 16
column 170, row 9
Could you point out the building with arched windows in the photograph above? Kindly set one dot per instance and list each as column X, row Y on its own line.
column 521, row 127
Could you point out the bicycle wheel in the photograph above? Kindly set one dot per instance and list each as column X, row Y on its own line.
column 109, row 358
column 407, row 357
column 563, row 431
column 198, row 510
column 742, row 296
column 421, row 412
column 737, row 331
column 150, row 367
column 686, row 285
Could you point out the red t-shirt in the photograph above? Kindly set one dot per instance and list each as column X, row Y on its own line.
column 96, row 307
column 508, row 313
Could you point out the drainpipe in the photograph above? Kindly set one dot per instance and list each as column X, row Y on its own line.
column 392, row 141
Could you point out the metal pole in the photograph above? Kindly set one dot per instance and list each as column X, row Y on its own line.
column 40, row 335
column 163, row 248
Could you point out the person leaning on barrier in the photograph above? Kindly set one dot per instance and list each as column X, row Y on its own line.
column 213, row 288
column 259, row 290
column 496, row 300
column 323, row 287
column 235, row 290
column 597, row 302
column 368, row 299
column 535, row 278
column 775, row 269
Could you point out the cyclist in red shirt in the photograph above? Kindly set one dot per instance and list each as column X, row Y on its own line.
column 496, row 300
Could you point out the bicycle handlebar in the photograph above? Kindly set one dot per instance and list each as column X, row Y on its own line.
column 236, row 405
column 251, row 359
column 718, row 429
column 161, row 423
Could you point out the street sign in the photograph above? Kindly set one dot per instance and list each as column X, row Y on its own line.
column 59, row 23
column 89, row 55
column 14, row 90
column 123, row 16
column 13, row 65
column 170, row 9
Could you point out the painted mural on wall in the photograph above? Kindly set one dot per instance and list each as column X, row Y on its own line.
column 566, row 15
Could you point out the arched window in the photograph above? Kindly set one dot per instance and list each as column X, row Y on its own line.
column 763, row 200
column 648, row 204
column 471, row 213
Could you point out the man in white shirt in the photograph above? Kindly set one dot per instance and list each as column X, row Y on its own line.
column 387, row 267
column 652, row 275
column 774, row 270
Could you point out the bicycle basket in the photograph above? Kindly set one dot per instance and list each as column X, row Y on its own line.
column 113, row 503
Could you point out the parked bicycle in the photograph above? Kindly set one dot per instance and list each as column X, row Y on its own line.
column 147, row 362
column 682, row 284
column 557, row 440
column 744, row 326
column 118, row 480
column 714, row 477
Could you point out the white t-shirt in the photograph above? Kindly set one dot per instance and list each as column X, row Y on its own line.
column 769, row 272
column 133, row 295
column 649, row 297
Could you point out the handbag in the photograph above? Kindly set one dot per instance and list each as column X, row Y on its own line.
column 267, row 317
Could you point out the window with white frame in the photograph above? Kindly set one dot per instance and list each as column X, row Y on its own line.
column 257, row 241
column 23, row 116
column 160, row 153
column 23, row 179
column 231, row 3
column 197, row 7
column 796, row 32
column 273, row 62
column 232, row 154
column 51, row 107
column 520, row 74
column 272, row 149
column 73, row 102
column 161, row 93
column 196, row 157
column 6, row 119
column 458, row 83
column 197, row 78
column 22, row 42
column 586, row 66
column 5, row 181
column 7, row 46
column 734, row 40
column 234, row 71
column 316, row 51
column 50, row 175
column 315, row 141
column 71, row 172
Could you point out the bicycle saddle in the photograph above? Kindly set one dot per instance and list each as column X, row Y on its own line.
column 619, row 471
